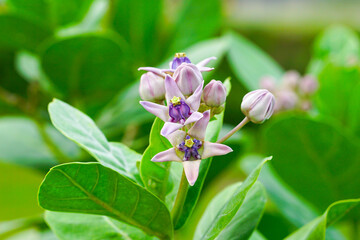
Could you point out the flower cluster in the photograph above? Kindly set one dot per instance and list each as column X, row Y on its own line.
column 293, row 93
column 175, row 95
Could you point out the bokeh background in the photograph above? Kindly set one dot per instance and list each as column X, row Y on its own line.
column 86, row 52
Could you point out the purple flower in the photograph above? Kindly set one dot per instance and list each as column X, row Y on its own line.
column 180, row 111
column 179, row 59
column 188, row 78
column 190, row 148
column 152, row 87
column 214, row 94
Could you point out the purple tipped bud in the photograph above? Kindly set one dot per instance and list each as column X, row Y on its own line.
column 258, row 105
column 308, row 85
column 268, row 82
column 188, row 77
column 291, row 79
column 214, row 94
column 178, row 60
column 152, row 87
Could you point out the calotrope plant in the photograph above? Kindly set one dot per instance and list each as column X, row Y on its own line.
column 140, row 199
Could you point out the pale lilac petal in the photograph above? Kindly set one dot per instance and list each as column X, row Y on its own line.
column 204, row 62
column 165, row 156
column 199, row 129
column 194, row 100
column 215, row 149
column 191, row 169
column 195, row 116
column 205, row 69
column 176, row 137
column 170, row 127
column 168, row 70
column 172, row 90
column 158, row 110
column 157, row 71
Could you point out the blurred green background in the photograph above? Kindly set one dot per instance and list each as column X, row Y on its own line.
column 86, row 52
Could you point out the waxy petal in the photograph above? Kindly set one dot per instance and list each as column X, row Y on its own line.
column 195, row 116
column 215, row 149
column 199, row 129
column 205, row 69
column 172, row 90
column 204, row 62
column 194, row 100
column 170, row 127
column 191, row 169
column 165, row 156
column 157, row 71
column 176, row 137
column 158, row 110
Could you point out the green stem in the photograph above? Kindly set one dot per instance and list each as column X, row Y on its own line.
column 234, row 130
column 180, row 199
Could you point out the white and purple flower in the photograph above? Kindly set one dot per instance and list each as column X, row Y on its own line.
column 190, row 148
column 180, row 111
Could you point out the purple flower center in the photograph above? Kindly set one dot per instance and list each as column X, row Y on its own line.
column 190, row 147
column 179, row 111
column 179, row 59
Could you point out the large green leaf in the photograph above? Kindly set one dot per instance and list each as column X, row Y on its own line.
column 17, row 32
column 77, row 65
column 156, row 175
column 94, row 189
column 337, row 44
column 18, row 188
column 242, row 225
column 81, row 129
column 292, row 206
column 217, row 218
column 51, row 12
column 198, row 20
column 316, row 229
column 354, row 112
column 250, row 63
column 69, row 226
column 326, row 161
column 193, row 193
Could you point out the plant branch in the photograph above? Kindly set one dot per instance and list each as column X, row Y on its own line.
column 234, row 130
column 180, row 199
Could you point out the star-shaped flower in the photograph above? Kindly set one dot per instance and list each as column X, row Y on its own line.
column 180, row 111
column 190, row 148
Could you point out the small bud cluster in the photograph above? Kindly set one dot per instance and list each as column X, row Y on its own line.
column 293, row 93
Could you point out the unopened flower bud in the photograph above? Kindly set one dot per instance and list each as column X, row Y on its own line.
column 178, row 60
column 308, row 85
column 152, row 87
column 214, row 94
column 258, row 105
column 291, row 79
column 268, row 82
column 188, row 77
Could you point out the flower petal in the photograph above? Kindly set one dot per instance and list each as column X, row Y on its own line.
column 191, row 169
column 165, row 156
column 199, row 129
column 172, row 89
column 157, row 71
column 158, row 110
column 176, row 137
column 170, row 127
column 204, row 62
column 195, row 116
column 214, row 149
column 205, row 69
column 194, row 100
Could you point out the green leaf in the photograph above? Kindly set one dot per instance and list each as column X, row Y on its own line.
column 94, row 189
column 212, row 223
column 18, row 188
column 76, row 65
column 250, row 63
column 337, row 44
column 257, row 236
column 51, row 12
column 81, row 129
column 319, row 154
column 354, row 112
column 316, row 229
column 290, row 205
column 193, row 193
column 68, row 226
column 246, row 218
column 198, row 20
column 17, row 32
column 156, row 175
